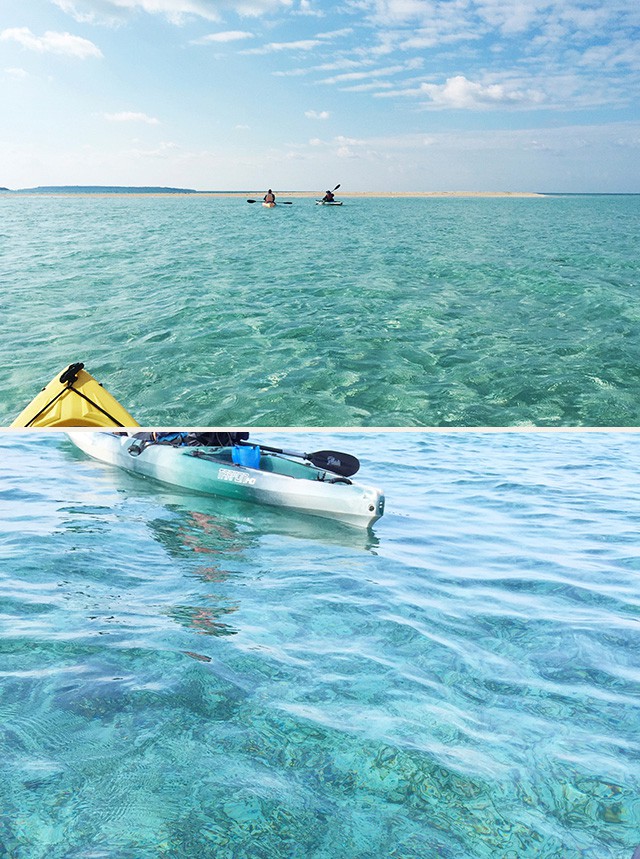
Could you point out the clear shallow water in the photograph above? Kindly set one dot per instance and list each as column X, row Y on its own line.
column 198, row 311
column 188, row 678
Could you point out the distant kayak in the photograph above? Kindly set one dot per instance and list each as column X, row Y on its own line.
column 242, row 472
column 328, row 203
column 74, row 399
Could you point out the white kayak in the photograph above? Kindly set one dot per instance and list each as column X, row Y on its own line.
column 328, row 202
column 275, row 480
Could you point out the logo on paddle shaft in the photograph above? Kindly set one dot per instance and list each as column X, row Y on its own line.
column 235, row 477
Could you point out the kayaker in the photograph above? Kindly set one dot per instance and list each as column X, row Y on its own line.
column 328, row 197
column 269, row 197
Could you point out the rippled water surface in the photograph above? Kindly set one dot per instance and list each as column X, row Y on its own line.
column 202, row 311
column 188, row 678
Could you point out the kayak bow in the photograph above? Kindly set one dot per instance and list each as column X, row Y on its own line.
column 74, row 399
column 277, row 481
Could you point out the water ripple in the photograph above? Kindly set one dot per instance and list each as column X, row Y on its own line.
column 182, row 677
column 423, row 313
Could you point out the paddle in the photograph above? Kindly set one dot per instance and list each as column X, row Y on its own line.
column 281, row 203
column 338, row 463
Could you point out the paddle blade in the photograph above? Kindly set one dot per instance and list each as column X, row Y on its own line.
column 338, row 463
column 252, row 201
column 336, row 188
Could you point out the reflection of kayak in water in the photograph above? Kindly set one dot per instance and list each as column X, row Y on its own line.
column 74, row 399
column 243, row 472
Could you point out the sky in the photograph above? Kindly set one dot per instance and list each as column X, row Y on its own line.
column 378, row 95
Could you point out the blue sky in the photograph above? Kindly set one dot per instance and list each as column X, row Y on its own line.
column 379, row 95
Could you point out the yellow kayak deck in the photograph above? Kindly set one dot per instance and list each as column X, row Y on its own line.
column 74, row 399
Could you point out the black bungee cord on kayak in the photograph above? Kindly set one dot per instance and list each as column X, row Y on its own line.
column 70, row 376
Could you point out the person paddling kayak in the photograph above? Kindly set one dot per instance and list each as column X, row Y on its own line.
column 269, row 197
column 328, row 197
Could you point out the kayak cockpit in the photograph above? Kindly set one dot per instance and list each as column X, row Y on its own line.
column 272, row 463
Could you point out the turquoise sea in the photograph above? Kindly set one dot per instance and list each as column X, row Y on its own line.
column 185, row 678
column 208, row 311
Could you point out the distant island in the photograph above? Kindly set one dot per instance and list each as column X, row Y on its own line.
column 100, row 189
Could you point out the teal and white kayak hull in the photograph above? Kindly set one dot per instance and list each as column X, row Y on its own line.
column 278, row 482
column 328, row 202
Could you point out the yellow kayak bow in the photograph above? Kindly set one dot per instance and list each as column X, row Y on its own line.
column 74, row 399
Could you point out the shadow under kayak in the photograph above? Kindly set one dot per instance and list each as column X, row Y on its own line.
column 277, row 482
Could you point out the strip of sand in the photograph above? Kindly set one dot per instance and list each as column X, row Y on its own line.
column 415, row 194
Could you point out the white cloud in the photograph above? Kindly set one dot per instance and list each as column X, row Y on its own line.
column 91, row 11
column 16, row 74
column 176, row 11
column 370, row 87
column 371, row 73
column 343, row 63
column 52, row 43
column 514, row 16
column 432, row 38
column 273, row 47
column 388, row 12
column 291, row 73
column 349, row 141
column 164, row 150
column 224, row 36
column 432, row 24
column 461, row 93
column 618, row 53
column 306, row 8
column 335, row 34
column 314, row 114
column 335, row 65
column 131, row 116
column 301, row 44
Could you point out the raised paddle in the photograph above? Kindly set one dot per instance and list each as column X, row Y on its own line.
column 281, row 203
column 332, row 460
